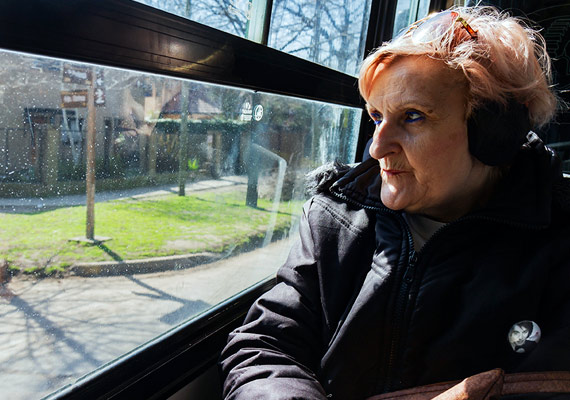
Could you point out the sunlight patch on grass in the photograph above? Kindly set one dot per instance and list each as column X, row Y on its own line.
column 139, row 228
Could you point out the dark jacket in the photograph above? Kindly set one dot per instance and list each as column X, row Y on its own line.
column 358, row 312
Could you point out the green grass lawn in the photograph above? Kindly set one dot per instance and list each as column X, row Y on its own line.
column 139, row 228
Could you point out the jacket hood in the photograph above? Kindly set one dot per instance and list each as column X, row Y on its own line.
column 524, row 196
column 359, row 183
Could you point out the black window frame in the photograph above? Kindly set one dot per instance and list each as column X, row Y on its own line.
column 131, row 35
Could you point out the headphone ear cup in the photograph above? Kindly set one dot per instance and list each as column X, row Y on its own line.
column 496, row 133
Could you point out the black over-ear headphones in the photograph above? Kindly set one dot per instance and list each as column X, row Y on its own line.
column 497, row 132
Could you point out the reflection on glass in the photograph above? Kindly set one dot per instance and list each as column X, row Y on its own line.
column 328, row 32
column 238, row 17
column 198, row 188
column 408, row 12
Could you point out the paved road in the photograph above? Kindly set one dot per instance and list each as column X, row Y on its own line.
column 53, row 331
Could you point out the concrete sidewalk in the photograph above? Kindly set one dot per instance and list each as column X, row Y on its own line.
column 54, row 331
column 30, row 204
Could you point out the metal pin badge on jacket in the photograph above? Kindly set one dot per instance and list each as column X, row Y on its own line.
column 524, row 336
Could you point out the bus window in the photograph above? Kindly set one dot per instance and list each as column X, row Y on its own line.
column 237, row 17
column 330, row 33
column 152, row 174
column 198, row 188
column 409, row 11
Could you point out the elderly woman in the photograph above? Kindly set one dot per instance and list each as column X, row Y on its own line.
column 414, row 266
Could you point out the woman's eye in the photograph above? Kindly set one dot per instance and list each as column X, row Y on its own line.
column 376, row 117
column 414, row 116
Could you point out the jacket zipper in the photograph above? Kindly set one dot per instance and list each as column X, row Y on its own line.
column 401, row 304
column 403, row 290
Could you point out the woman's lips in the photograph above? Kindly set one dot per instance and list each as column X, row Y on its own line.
column 392, row 172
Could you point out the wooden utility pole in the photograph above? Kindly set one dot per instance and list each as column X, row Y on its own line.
column 93, row 96
column 183, row 139
column 90, row 167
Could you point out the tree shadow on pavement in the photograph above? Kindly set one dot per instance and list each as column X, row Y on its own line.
column 188, row 308
column 51, row 329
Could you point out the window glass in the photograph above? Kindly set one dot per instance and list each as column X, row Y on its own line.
column 408, row 12
column 243, row 18
column 198, row 188
column 328, row 32
column 331, row 33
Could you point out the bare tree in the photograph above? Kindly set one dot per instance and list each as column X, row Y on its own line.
column 229, row 16
column 328, row 32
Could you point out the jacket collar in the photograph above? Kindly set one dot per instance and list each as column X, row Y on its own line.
column 523, row 197
column 361, row 185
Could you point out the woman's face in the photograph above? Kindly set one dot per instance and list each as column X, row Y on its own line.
column 419, row 106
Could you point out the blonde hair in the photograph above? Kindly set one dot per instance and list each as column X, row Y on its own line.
column 508, row 59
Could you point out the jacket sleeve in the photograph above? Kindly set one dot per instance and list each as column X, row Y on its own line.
column 275, row 353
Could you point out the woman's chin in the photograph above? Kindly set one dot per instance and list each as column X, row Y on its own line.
column 393, row 200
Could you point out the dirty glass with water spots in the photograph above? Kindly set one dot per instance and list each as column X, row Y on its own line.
column 132, row 210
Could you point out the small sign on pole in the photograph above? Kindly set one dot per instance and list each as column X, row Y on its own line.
column 246, row 112
column 99, row 97
column 77, row 74
column 74, row 99
column 99, row 89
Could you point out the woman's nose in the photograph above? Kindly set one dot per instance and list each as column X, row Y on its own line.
column 384, row 141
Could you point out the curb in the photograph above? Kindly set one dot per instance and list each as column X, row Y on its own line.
column 155, row 264
column 169, row 263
